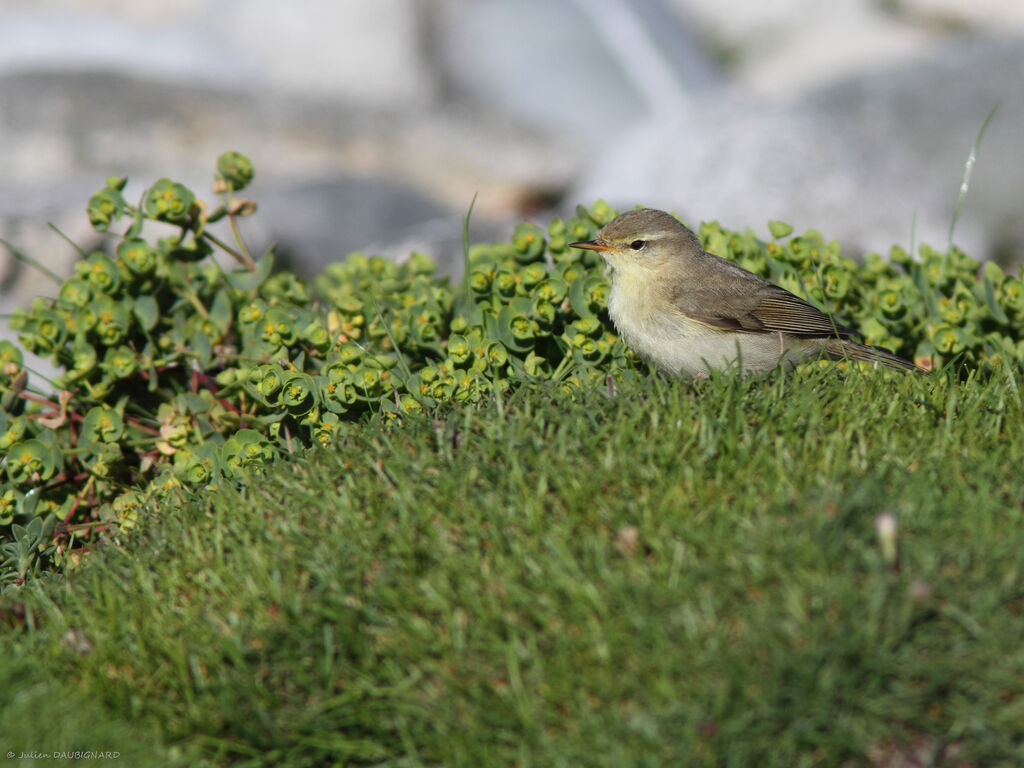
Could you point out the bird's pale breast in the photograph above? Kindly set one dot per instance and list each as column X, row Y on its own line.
column 678, row 345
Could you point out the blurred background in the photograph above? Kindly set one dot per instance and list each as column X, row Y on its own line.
column 373, row 123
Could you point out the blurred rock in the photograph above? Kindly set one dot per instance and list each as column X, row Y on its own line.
column 292, row 215
column 872, row 161
column 782, row 48
column 66, row 131
column 332, row 99
column 785, row 47
column 583, row 69
column 365, row 54
column 372, row 128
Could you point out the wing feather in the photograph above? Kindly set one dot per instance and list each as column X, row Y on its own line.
column 735, row 299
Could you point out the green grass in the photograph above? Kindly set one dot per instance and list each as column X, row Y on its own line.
column 679, row 574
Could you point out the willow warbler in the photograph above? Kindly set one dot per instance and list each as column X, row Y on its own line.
column 688, row 312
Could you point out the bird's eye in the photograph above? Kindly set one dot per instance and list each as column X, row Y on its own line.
column 636, row 245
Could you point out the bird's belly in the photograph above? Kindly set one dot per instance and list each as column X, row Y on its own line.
column 680, row 346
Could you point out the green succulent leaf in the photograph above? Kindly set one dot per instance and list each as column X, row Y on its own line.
column 102, row 425
column 11, row 502
column 146, row 311
column 84, row 359
column 835, row 281
column 459, row 349
column 529, row 242
column 105, row 208
column 169, row 201
column 516, row 328
column 249, row 280
column 298, row 393
column 113, row 319
column 1012, row 291
column 992, row 279
column 30, row 461
column 11, row 358
column 75, row 292
column 198, row 465
column 947, row 339
column 893, row 304
column 138, row 256
column 236, row 169
column 246, row 450
column 588, row 295
column 201, row 349
column 119, row 362
column 102, row 459
column 11, row 430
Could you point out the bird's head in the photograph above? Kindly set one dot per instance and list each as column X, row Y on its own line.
column 644, row 239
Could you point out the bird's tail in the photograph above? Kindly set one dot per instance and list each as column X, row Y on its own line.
column 843, row 349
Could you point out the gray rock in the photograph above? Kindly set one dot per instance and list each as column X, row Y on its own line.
column 329, row 179
column 859, row 160
column 583, row 69
column 316, row 223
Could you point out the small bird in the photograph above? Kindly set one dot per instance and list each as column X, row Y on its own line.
column 688, row 312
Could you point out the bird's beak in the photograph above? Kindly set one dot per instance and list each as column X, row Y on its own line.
column 592, row 245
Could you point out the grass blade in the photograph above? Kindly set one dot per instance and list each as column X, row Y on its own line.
column 465, row 250
column 67, row 239
column 964, row 185
column 24, row 257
